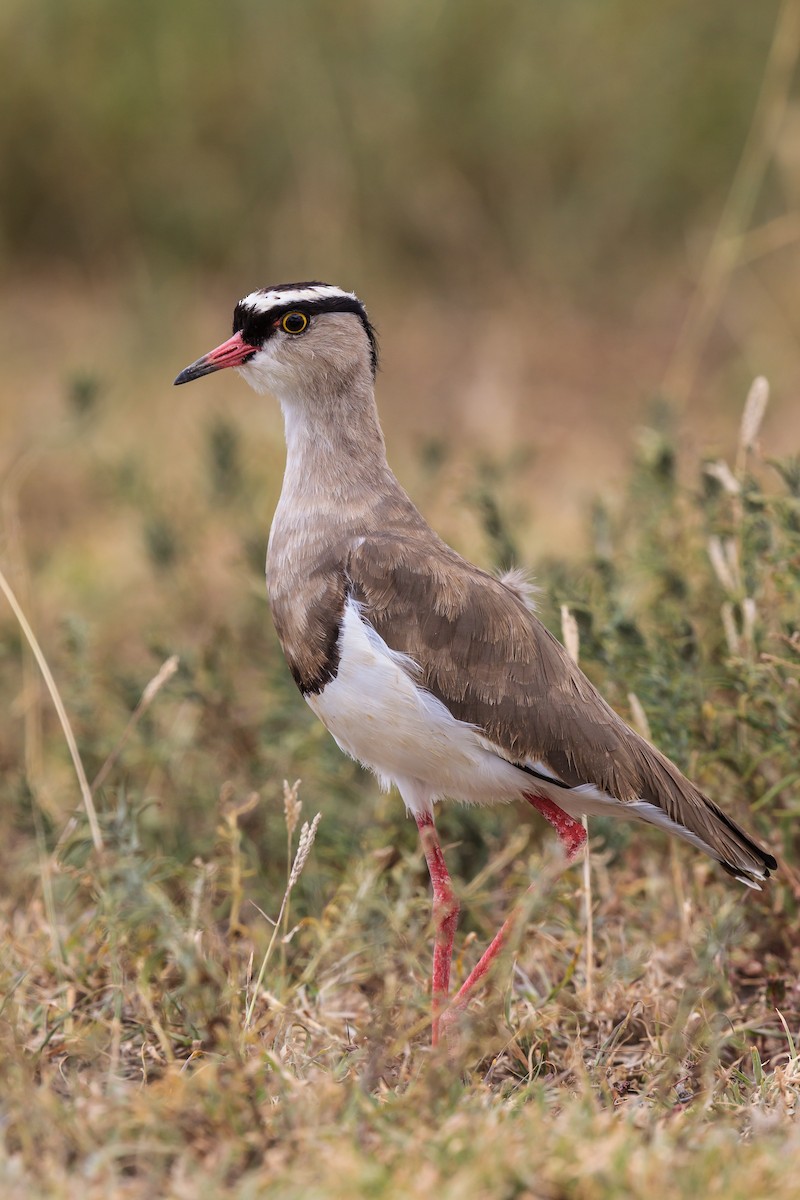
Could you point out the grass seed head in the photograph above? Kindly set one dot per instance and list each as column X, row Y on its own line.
column 163, row 676
column 721, row 563
column 307, row 835
column 729, row 625
column 724, row 476
column 291, row 804
column 754, row 408
column 570, row 634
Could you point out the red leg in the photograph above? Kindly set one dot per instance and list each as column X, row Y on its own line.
column 573, row 837
column 571, row 833
column 465, row 992
column 445, row 917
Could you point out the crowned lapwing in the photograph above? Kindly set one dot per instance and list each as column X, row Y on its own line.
column 431, row 672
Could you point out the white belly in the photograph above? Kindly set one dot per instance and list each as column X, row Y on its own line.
column 380, row 716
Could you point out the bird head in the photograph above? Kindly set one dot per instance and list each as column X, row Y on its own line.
column 294, row 337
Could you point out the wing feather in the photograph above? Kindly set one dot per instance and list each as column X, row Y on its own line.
column 485, row 655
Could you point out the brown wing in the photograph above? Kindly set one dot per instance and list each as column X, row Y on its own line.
column 492, row 662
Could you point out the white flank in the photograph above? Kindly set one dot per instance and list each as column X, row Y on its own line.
column 379, row 715
column 264, row 302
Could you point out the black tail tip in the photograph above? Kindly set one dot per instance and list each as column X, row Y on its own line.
column 750, row 878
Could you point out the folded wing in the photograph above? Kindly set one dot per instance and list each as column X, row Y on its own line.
column 485, row 655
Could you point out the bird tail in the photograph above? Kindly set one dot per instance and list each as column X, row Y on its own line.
column 690, row 815
column 666, row 799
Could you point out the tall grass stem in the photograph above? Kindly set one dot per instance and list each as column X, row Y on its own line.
column 572, row 642
column 86, row 793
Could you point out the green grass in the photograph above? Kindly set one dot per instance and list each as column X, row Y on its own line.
column 513, row 159
column 129, row 1065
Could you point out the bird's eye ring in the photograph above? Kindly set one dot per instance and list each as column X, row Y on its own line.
column 294, row 322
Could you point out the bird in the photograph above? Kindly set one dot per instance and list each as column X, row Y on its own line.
column 433, row 673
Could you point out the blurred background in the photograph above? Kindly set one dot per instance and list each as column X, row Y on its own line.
column 525, row 196
column 571, row 223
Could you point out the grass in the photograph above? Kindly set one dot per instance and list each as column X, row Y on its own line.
column 214, row 1003
column 196, row 999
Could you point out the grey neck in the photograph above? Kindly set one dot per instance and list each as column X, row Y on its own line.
column 337, row 484
column 335, row 452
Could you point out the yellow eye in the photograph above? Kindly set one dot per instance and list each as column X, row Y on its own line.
column 294, row 322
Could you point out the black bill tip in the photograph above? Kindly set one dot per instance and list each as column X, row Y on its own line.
column 195, row 371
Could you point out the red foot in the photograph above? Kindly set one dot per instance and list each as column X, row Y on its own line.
column 571, row 832
column 468, row 987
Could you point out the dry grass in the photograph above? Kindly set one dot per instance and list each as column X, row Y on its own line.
column 130, row 1069
column 171, row 1027
column 197, row 999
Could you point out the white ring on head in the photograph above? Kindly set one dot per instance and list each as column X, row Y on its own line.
column 264, row 302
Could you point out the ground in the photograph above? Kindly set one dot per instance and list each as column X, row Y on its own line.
column 157, row 1039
